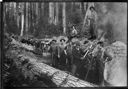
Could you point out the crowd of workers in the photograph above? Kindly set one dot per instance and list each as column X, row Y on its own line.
column 83, row 58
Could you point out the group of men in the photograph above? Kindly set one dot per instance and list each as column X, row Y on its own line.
column 82, row 58
column 79, row 57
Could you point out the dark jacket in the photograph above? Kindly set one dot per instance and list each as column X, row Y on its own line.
column 76, row 56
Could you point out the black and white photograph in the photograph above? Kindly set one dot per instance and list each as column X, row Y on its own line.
column 64, row 44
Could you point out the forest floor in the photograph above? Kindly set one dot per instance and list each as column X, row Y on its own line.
column 15, row 78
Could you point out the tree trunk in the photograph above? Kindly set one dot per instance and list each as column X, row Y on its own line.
column 26, row 18
column 34, row 18
column 57, row 14
column 22, row 25
column 4, row 16
column 51, row 12
column 72, row 6
column 64, row 18
column 42, row 9
column 22, row 19
column 14, row 11
column 37, row 13
column 82, row 9
column 85, row 5
column 85, row 17
column 18, row 17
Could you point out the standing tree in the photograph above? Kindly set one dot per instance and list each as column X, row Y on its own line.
column 83, row 8
column 18, row 15
column 4, row 15
column 26, row 28
column 57, row 14
column 22, row 19
column 51, row 12
column 42, row 9
column 64, row 18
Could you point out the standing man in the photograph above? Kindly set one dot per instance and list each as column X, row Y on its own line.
column 73, row 33
column 76, row 52
column 92, row 16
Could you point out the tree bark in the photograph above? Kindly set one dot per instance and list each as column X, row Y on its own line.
column 14, row 11
column 64, row 18
column 22, row 20
column 82, row 9
column 26, row 18
column 42, row 9
column 85, row 17
column 57, row 14
column 37, row 12
column 18, row 16
column 72, row 6
column 22, row 25
column 51, row 12
column 4, row 16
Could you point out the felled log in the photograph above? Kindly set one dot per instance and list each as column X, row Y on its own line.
column 30, row 66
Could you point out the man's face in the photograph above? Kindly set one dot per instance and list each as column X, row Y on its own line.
column 100, row 31
column 63, row 41
column 91, row 10
column 78, row 47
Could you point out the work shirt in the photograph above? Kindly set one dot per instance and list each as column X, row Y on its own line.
column 76, row 55
column 92, row 16
column 74, row 32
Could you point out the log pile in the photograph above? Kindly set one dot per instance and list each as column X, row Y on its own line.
column 30, row 66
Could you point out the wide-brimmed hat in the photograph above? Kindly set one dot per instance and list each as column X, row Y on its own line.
column 77, row 43
column 62, row 39
column 54, row 40
column 92, row 8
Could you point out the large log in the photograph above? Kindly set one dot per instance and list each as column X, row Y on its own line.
column 29, row 63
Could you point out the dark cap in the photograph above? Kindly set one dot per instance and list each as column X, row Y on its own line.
column 54, row 40
column 92, row 8
column 62, row 39
column 77, row 43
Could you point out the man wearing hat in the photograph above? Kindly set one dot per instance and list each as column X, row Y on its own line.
column 73, row 33
column 76, row 52
column 63, row 54
column 62, row 40
column 92, row 16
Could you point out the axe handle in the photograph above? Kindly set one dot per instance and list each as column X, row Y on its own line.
column 86, row 54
